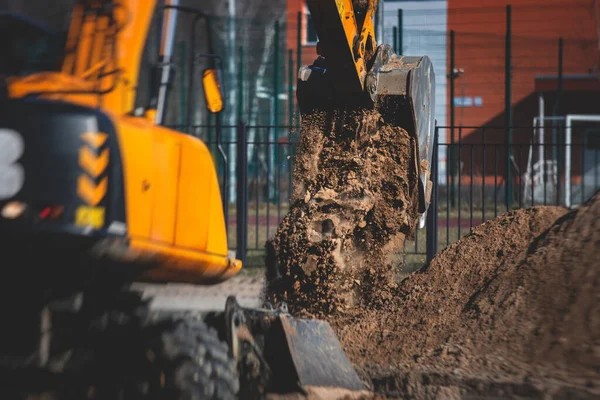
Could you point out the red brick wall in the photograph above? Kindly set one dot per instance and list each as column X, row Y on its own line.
column 480, row 28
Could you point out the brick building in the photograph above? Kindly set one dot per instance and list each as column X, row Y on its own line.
column 296, row 9
column 480, row 51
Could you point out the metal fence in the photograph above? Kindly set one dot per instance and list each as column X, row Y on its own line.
column 479, row 178
column 262, row 190
column 484, row 176
column 256, row 197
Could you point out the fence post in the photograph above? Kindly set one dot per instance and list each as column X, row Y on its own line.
column 379, row 22
column 432, row 213
column 299, row 55
column 452, row 76
column 242, row 193
column 508, row 106
column 223, row 153
column 559, row 88
column 272, row 151
column 240, row 102
column 276, row 78
column 400, row 44
column 556, row 128
column 290, row 88
column 395, row 35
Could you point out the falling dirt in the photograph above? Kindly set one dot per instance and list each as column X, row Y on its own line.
column 354, row 200
column 510, row 310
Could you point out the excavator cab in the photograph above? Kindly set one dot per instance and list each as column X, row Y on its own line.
column 27, row 46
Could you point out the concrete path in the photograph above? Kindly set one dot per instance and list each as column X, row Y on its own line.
column 249, row 291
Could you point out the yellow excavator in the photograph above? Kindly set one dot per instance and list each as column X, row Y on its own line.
column 96, row 193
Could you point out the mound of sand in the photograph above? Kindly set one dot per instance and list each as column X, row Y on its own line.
column 355, row 198
column 516, row 300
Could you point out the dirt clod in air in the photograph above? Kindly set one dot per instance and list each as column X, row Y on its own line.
column 355, row 198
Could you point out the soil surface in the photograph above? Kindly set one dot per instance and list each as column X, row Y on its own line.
column 510, row 310
column 354, row 200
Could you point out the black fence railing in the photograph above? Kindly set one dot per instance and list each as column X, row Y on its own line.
column 479, row 176
column 257, row 195
column 483, row 176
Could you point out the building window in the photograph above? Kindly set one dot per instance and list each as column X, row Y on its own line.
column 310, row 33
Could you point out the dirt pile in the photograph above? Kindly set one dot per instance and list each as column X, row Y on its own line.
column 511, row 309
column 354, row 200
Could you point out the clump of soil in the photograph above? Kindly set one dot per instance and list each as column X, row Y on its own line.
column 355, row 198
column 512, row 309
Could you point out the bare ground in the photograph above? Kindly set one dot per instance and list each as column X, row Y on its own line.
column 510, row 310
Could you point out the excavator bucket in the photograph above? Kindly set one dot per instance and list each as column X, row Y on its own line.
column 297, row 355
column 402, row 87
column 317, row 356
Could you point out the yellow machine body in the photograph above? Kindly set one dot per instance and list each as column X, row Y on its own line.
column 171, row 196
column 173, row 202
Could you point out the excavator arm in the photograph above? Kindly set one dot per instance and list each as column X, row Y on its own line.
column 346, row 38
